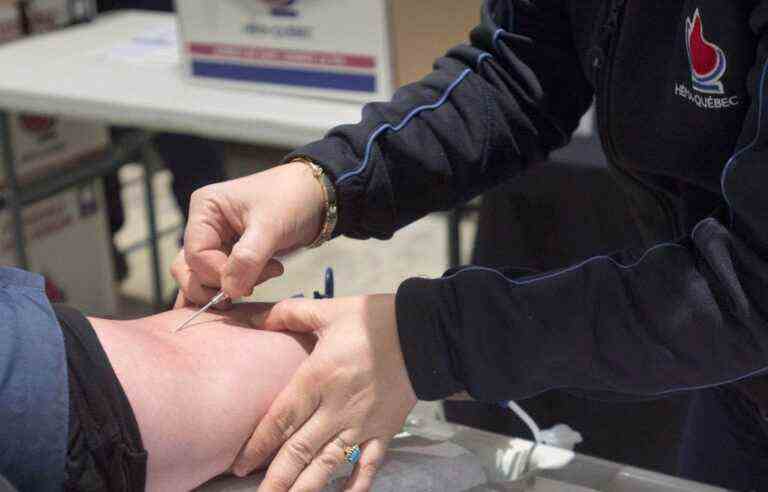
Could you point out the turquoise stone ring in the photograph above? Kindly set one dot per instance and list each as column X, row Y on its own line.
column 352, row 454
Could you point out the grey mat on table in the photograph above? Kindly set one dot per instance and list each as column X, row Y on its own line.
column 412, row 464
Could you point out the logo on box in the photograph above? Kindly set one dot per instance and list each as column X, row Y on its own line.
column 35, row 123
column 282, row 8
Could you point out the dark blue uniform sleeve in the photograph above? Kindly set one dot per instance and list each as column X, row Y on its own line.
column 490, row 109
column 683, row 315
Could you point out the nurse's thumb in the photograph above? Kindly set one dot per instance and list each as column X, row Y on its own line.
column 247, row 262
column 296, row 315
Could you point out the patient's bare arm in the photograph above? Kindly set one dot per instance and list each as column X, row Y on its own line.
column 199, row 394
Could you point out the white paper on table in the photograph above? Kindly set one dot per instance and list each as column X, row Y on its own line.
column 158, row 45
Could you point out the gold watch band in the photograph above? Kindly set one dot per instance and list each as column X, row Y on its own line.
column 330, row 204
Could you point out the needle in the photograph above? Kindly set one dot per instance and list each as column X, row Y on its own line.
column 219, row 298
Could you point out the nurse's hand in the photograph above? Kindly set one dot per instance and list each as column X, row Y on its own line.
column 353, row 389
column 237, row 227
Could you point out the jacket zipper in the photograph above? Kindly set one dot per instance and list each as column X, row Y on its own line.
column 602, row 63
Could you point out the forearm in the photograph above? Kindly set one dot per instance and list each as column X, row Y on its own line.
column 487, row 111
column 198, row 395
column 677, row 317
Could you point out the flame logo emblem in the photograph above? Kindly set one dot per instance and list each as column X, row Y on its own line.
column 708, row 62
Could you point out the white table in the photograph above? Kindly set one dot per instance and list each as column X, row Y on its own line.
column 74, row 72
column 106, row 71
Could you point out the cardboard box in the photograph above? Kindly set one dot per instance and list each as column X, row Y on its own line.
column 49, row 15
column 424, row 30
column 67, row 235
column 10, row 21
column 68, row 242
column 42, row 144
column 38, row 16
column 355, row 50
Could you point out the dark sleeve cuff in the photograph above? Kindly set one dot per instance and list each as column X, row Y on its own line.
column 331, row 155
column 427, row 352
column 70, row 317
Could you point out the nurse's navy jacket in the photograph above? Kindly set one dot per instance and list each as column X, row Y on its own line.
column 680, row 89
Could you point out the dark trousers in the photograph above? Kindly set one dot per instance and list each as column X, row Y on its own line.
column 725, row 441
column 194, row 162
column 160, row 5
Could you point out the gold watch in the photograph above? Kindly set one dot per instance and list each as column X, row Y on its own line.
column 329, row 201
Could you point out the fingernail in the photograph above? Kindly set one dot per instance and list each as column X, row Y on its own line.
column 240, row 470
column 229, row 285
column 278, row 269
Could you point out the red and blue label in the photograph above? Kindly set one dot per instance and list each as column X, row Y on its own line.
column 707, row 60
column 286, row 67
column 296, row 68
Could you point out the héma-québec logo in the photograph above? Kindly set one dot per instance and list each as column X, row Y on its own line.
column 707, row 60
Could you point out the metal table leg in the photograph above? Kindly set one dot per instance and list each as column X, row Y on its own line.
column 454, row 237
column 13, row 192
column 149, row 196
